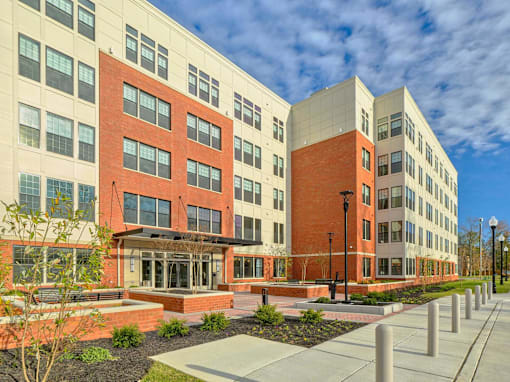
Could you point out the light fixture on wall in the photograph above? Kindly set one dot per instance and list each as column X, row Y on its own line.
column 132, row 264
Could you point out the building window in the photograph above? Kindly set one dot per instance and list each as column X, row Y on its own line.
column 237, row 109
column 382, row 165
column 162, row 66
column 248, row 153
column 215, row 137
column 248, row 191
column 59, row 71
column 192, row 218
column 130, row 208
column 215, row 96
column 383, row 199
column 366, row 266
column 86, row 140
column 59, row 134
column 275, row 233
column 192, row 127
column 247, row 114
column 208, row 134
column 383, row 233
column 147, row 57
column 163, row 213
column 86, row 23
column 147, row 107
column 275, row 130
column 204, row 219
column 366, row 229
column 275, row 198
column 204, row 179
column 365, row 159
column 248, row 267
column 164, row 164
column 147, row 159
column 382, row 128
column 216, row 221
column 258, row 230
column 131, row 48
column 86, row 201
column 258, row 157
column 396, row 197
column 32, row 3
column 204, row 135
column 258, row 193
column 238, row 227
column 192, row 80
column 280, row 134
column 215, row 179
column 396, row 124
column 53, row 188
column 275, row 165
column 281, row 200
column 163, row 114
column 29, row 58
column 365, row 125
column 279, row 267
column 238, row 154
column 384, row 267
column 396, row 266
column 86, row 82
column 61, row 11
column 396, row 162
column 280, row 166
column 204, row 90
column 209, row 221
column 281, row 234
column 365, row 192
column 192, row 172
column 29, row 192
column 396, row 231
column 147, row 211
column 130, row 95
column 130, row 154
column 29, row 125
column 248, row 228
column 238, row 194
column 258, row 121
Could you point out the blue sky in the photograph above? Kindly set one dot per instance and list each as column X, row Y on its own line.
column 452, row 55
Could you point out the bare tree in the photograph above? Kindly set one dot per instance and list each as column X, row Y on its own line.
column 303, row 262
column 322, row 261
column 196, row 244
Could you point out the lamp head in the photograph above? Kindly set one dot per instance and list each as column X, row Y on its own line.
column 346, row 194
column 481, row 220
column 493, row 222
column 501, row 238
column 506, row 249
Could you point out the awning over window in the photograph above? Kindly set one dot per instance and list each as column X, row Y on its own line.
column 162, row 234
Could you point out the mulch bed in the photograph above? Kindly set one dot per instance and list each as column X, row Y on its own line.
column 133, row 363
column 414, row 295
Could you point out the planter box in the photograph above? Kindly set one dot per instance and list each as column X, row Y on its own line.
column 235, row 287
column 364, row 289
column 204, row 301
column 292, row 290
column 366, row 309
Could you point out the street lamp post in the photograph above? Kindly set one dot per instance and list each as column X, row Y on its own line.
column 330, row 234
column 493, row 222
column 501, row 239
column 506, row 263
column 346, row 195
column 480, row 270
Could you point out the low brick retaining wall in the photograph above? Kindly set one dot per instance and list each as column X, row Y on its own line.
column 146, row 315
column 235, row 287
column 364, row 309
column 187, row 303
column 290, row 290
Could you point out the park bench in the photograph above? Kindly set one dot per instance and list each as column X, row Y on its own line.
column 54, row 295
column 106, row 295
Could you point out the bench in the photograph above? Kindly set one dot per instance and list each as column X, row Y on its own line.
column 293, row 281
column 327, row 281
column 107, row 295
column 54, row 295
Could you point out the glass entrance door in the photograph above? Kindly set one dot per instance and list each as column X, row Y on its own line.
column 159, row 274
column 178, row 275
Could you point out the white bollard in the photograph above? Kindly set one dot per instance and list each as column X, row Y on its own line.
column 433, row 329
column 383, row 353
column 490, row 289
column 477, row 297
column 468, row 302
column 484, row 293
column 455, row 313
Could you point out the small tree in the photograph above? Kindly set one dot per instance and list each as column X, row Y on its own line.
column 303, row 262
column 196, row 245
column 47, row 240
column 323, row 261
column 281, row 252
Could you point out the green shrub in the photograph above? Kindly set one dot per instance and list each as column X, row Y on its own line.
column 377, row 295
column 357, row 297
column 214, row 322
column 323, row 300
column 447, row 287
column 95, row 354
column 127, row 336
column 311, row 316
column 172, row 327
column 267, row 315
column 370, row 301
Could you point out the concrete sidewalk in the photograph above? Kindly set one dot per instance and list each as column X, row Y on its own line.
column 476, row 353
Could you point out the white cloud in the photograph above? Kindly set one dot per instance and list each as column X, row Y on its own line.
column 296, row 47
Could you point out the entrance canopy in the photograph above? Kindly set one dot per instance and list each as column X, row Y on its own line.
column 144, row 233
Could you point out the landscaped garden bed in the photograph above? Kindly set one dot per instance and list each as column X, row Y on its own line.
column 131, row 364
column 292, row 290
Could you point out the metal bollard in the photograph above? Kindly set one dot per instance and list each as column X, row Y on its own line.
column 332, row 290
column 455, row 313
column 468, row 302
column 433, row 330
column 477, row 297
column 489, row 286
column 265, row 296
column 383, row 353
column 484, row 293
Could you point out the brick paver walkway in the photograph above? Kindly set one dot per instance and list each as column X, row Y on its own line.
column 246, row 303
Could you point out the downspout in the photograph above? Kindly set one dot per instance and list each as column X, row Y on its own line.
column 118, row 261
column 225, row 262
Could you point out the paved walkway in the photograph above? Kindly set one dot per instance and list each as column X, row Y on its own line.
column 246, row 303
column 477, row 353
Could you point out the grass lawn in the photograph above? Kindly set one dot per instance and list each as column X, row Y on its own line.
column 162, row 373
column 461, row 285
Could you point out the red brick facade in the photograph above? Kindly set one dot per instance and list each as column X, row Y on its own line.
column 319, row 172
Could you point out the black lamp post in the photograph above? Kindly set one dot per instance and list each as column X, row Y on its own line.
column 506, row 261
column 493, row 222
column 346, row 195
column 501, row 239
column 330, row 234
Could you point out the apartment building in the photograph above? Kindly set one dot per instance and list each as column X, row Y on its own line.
column 113, row 100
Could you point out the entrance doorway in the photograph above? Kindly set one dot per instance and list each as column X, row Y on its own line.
column 178, row 275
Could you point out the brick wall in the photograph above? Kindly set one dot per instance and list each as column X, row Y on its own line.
column 292, row 291
column 188, row 304
column 319, row 172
